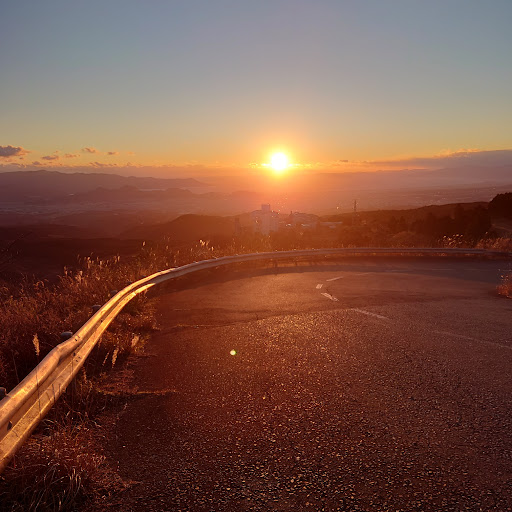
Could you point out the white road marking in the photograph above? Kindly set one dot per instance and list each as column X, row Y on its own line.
column 352, row 273
column 446, row 333
column 427, row 269
column 485, row 342
column 369, row 313
column 318, row 286
column 330, row 297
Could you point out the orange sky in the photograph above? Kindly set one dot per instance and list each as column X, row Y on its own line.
column 218, row 86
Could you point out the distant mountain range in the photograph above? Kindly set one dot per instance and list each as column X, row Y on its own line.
column 48, row 195
column 49, row 185
column 126, row 194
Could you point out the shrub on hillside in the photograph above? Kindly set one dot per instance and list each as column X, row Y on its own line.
column 501, row 205
column 496, row 244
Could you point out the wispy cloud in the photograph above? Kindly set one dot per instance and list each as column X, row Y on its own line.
column 99, row 165
column 10, row 151
column 448, row 158
column 460, row 158
column 471, row 157
column 90, row 150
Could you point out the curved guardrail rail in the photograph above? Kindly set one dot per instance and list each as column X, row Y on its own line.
column 25, row 406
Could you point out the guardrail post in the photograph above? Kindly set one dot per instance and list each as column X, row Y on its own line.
column 95, row 308
column 65, row 335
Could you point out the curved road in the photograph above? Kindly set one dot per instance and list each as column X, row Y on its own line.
column 375, row 384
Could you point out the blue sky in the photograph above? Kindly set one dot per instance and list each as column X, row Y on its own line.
column 222, row 84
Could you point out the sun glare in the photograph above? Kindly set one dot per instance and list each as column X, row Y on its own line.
column 279, row 162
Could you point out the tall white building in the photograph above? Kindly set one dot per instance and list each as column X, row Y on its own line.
column 265, row 220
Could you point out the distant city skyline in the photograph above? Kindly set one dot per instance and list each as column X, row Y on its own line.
column 217, row 87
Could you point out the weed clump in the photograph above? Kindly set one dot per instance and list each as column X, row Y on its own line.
column 496, row 244
column 505, row 287
column 58, row 472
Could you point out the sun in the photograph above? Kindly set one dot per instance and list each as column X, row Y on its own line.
column 279, row 162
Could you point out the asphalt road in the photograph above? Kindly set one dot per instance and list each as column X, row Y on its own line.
column 377, row 384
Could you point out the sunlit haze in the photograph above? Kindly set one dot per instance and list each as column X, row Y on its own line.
column 202, row 88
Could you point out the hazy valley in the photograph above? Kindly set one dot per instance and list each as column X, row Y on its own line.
column 48, row 218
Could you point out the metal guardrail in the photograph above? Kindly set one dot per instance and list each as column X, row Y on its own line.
column 26, row 405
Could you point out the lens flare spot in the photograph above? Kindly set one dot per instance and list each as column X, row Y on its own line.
column 233, row 352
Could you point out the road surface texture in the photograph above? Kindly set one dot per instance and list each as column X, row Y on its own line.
column 370, row 385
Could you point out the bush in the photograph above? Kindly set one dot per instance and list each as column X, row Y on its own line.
column 501, row 205
column 496, row 244
column 505, row 288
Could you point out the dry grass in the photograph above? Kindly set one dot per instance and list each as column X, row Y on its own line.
column 41, row 311
column 61, row 467
column 58, row 472
column 496, row 244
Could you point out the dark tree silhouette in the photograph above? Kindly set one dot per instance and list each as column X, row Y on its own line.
column 501, row 205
